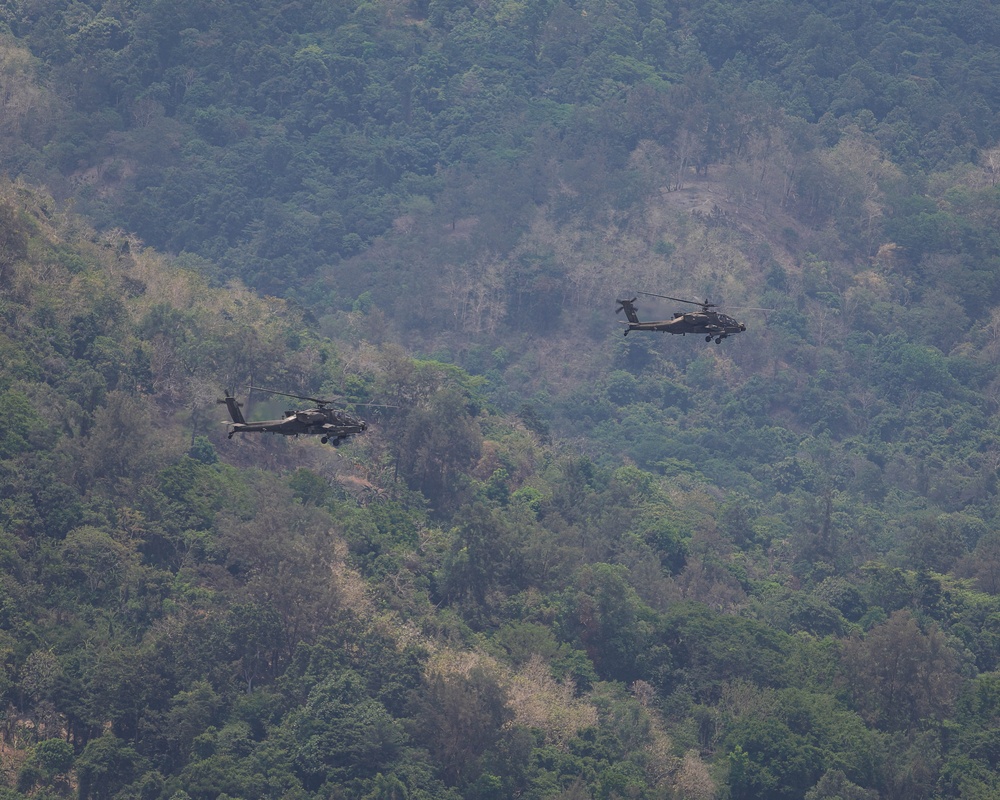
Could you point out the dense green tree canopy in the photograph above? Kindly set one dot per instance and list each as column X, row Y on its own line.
column 560, row 563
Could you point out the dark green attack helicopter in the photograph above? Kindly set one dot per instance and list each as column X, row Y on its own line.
column 712, row 324
column 332, row 425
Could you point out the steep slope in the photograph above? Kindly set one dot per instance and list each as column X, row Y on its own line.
column 175, row 622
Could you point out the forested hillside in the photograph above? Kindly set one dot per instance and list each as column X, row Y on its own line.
column 560, row 563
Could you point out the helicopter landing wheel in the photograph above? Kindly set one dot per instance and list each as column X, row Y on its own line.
column 708, row 338
column 325, row 439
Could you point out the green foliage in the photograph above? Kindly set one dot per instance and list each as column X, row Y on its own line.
column 48, row 759
column 105, row 766
column 202, row 450
column 23, row 428
column 777, row 551
column 900, row 675
column 458, row 719
column 701, row 650
column 277, row 154
column 436, row 443
column 610, row 621
column 340, row 735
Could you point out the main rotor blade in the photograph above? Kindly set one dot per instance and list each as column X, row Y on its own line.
column 288, row 394
column 680, row 300
column 706, row 304
column 342, row 400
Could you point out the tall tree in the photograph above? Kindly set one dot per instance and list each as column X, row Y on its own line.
column 900, row 675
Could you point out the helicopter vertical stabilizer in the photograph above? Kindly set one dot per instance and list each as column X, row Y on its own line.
column 234, row 410
column 628, row 306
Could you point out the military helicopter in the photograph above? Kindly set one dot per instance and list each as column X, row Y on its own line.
column 333, row 425
column 713, row 324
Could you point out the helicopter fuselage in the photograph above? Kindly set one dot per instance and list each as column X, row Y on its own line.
column 709, row 323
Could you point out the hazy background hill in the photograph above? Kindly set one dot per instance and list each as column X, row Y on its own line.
column 561, row 563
